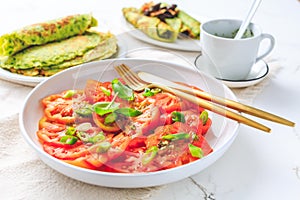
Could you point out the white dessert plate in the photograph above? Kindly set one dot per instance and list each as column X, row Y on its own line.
column 220, row 135
column 258, row 72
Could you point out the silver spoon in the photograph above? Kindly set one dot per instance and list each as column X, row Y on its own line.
column 248, row 18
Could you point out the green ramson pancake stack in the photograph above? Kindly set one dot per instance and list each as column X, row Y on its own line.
column 44, row 49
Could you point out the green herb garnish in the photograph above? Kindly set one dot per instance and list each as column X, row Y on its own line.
column 177, row 136
column 69, row 94
column 129, row 112
column 123, row 91
column 68, row 139
column 149, row 155
column 102, row 108
column 204, row 117
column 177, row 117
column 195, row 151
column 151, row 92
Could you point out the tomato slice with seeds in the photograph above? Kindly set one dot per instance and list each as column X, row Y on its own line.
column 64, row 153
column 44, row 123
column 59, row 109
column 167, row 102
column 147, row 121
column 96, row 91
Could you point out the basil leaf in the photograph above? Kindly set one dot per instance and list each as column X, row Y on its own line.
column 110, row 118
column 177, row 117
column 177, row 136
column 204, row 117
column 102, row 108
column 129, row 112
column 122, row 90
column 195, row 151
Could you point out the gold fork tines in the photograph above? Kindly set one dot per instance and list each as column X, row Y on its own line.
column 135, row 83
column 131, row 79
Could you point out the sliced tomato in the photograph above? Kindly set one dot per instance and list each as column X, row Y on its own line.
column 66, row 153
column 203, row 144
column 192, row 119
column 148, row 121
column 59, row 109
column 167, row 102
column 47, row 136
column 155, row 138
column 166, row 118
column 51, row 126
column 80, row 162
column 127, row 148
column 136, row 144
column 53, row 139
column 206, row 127
column 96, row 91
column 96, row 160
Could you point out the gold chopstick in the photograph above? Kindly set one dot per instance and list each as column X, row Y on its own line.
column 241, row 107
column 214, row 108
column 215, row 99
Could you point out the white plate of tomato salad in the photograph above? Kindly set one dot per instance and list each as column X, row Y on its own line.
column 86, row 123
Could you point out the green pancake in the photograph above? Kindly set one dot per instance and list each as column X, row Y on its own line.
column 48, row 59
column 42, row 33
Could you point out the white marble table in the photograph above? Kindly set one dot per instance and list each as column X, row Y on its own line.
column 258, row 165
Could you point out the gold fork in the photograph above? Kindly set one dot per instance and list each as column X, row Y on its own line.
column 135, row 83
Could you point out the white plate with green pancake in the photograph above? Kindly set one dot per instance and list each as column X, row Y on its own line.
column 34, row 80
column 28, row 58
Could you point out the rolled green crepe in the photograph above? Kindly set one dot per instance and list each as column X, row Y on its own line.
column 50, row 58
column 151, row 26
column 163, row 25
column 42, row 33
column 191, row 25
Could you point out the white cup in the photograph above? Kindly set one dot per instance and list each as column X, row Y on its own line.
column 227, row 58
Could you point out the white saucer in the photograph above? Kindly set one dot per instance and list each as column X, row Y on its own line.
column 258, row 72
